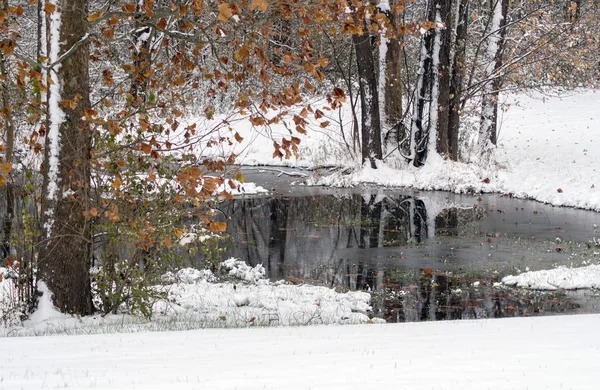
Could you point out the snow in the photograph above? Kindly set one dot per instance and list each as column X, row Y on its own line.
column 45, row 310
column 517, row 353
column 558, row 278
column 384, row 5
column 548, row 151
column 198, row 299
column 57, row 116
column 243, row 271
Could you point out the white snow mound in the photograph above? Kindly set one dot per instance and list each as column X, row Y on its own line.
column 559, row 278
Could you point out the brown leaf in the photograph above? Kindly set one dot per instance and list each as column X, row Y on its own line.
column 95, row 16
column 217, row 227
column 117, row 183
column 238, row 137
column 146, row 148
column 5, row 167
column 261, row 5
column 129, row 8
column 559, row 190
column 93, row 212
column 49, row 8
column 162, row 24
column 168, row 243
column 224, row 12
column 486, row 180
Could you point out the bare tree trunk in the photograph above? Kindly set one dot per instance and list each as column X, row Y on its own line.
column 444, row 70
column 393, row 72
column 488, row 131
column 371, row 126
column 456, row 80
column 64, row 258
column 420, row 118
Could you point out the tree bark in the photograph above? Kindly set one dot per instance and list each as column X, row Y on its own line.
column 393, row 72
column 488, row 130
column 444, row 70
column 64, row 258
column 9, row 129
column 371, row 124
column 456, row 80
column 420, row 123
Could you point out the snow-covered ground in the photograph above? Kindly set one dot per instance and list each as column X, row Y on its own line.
column 559, row 352
column 196, row 299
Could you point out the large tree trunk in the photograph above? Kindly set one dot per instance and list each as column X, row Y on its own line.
column 444, row 70
column 9, row 132
column 393, row 70
column 393, row 82
column 369, row 99
column 488, row 131
column 64, row 252
column 456, row 80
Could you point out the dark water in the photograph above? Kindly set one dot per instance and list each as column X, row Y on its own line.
column 425, row 255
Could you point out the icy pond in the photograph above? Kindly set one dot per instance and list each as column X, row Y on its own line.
column 424, row 255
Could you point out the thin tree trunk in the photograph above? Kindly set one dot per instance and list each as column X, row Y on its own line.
column 142, row 38
column 420, row 123
column 488, row 131
column 64, row 259
column 457, row 79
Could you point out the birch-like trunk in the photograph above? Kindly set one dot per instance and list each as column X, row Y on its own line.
column 425, row 107
column 488, row 130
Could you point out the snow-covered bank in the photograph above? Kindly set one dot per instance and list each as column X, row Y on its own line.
column 521, row 353
column 549, row 150
column 197, row 299
column 558, row 278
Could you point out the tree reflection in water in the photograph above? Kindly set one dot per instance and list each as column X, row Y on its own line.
column 380, row 243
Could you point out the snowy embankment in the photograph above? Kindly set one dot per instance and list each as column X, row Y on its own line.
column 558, row 278
column 549, row 150
column 559, row 352
column 196, row 299
column 197, row 296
